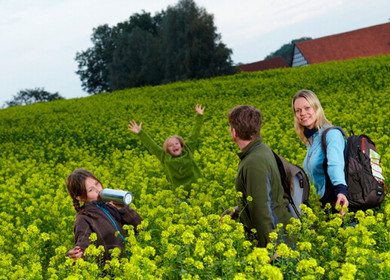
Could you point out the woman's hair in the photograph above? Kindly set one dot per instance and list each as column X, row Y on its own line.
column 314, row 102
column 75, row 183
column 179, row 138
column 246, row 120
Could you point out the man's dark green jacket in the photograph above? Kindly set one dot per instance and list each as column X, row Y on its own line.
column 258, row 177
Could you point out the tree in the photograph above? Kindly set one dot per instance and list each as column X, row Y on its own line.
column 136, row 59
column 176, row 44
column 286, row 51
column 94, row 62
column 29, row 96
column 191, row 46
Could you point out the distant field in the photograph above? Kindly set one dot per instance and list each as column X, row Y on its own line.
column 42, row 144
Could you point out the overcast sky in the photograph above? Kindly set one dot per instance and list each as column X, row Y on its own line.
column 39, row 38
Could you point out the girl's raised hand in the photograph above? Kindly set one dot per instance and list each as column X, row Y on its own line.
column 134, row 127
column 199, row 109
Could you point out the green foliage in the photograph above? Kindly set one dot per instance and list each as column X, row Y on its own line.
column 177, row 44
column 132, row 68
column 191, row 48
column 30, row 96
column 43, row 143
column 93, row 63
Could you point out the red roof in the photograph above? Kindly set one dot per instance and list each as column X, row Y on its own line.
column 370, row 41
column 276, row 62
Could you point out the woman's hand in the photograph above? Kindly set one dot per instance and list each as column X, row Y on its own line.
column 199, row 109
column 343, row 201
column 75, row 253
column 134, row 127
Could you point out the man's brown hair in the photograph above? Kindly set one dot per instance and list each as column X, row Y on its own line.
column 246, row 120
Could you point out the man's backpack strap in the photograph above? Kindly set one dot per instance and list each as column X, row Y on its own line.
column 295, row 184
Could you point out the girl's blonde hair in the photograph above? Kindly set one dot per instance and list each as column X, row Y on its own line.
column 179, row 138
column 314, row 102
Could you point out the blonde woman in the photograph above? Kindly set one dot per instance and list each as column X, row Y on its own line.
column 309, row 123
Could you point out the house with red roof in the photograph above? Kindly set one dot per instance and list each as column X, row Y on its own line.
column 369, row 41
column 272, row 63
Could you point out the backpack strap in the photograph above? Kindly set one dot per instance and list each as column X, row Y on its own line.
column 112, row 220
column 323, row 137
column 282, row 163
column 329, row 195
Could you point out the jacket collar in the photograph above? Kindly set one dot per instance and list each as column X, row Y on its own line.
column 250, row 147
column 318, row 133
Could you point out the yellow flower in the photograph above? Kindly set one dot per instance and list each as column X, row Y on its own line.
column 273, row 236
column 246, row 244
column 304, row 246
column 320, row 238
column 307, row 266
column 188, row 261
column 270, row 246
column 226, row 227
column 147, row 236
column 324, row 245
column 165, row 234
column 240, row 276
column 149, row 251
column 188, row 237
column 219, row 247
column 171, row 251
column 360, row 215
column 335, row 251
column 45, row 236
column 199, row 248
column 199, row 265
column 230, row 253
column 208, row 259
column 348, row 271
column 93, row 237
column 116, row 252
column 249, row 198
column 283, row 250
column 272, row 272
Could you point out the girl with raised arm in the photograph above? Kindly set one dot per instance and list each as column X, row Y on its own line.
column 176, row 155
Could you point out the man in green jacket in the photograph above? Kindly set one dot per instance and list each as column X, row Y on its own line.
column 262, row 205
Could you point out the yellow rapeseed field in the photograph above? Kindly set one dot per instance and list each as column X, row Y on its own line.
column 42, row 144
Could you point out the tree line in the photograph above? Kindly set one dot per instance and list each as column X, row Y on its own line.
column 176, row 44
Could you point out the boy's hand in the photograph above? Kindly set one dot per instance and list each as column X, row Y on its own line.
column 134, row 127
column 199, row 109
column 233, row 214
